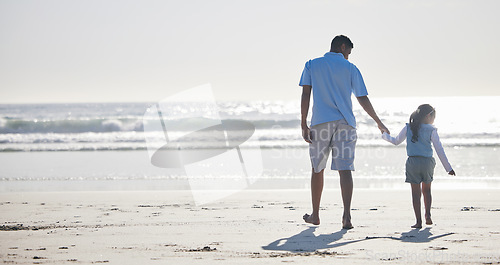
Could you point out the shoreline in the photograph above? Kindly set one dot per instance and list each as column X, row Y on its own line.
column 262, row 184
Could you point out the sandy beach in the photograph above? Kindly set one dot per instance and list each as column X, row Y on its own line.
column 249, row 227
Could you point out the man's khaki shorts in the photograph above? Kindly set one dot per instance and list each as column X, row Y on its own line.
column 337, row 137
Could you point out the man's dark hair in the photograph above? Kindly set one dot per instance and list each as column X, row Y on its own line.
column 338, row 41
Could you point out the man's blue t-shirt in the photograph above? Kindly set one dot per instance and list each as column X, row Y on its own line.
column 333, row 79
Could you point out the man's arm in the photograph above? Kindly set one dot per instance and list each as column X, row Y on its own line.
column 364, row 101
column 304, row 109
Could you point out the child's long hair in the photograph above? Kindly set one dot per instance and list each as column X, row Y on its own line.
column 416, row 119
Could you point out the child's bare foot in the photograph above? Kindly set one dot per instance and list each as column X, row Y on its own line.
column 347, row 226
column 417, row 225
column 312, row 219
column 346, row 223
column 428, row 220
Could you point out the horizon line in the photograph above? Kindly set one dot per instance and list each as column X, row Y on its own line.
column 233, row 100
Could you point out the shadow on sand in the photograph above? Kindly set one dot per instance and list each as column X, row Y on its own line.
column 415, row 236
column 307, row 241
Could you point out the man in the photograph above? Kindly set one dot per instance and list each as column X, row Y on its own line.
column 332, row 79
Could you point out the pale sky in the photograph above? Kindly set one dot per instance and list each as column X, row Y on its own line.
column 116, row 50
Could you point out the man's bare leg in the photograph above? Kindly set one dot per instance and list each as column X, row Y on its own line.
column 317, row 181
column 346, row 187
column 426, row 191
column 416, row 194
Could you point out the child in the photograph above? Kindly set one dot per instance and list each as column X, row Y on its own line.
column 419, row 134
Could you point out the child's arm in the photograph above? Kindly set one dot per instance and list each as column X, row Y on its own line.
column 399, row 139
column 440, row 152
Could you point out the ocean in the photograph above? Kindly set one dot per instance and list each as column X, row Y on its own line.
column 103, row 146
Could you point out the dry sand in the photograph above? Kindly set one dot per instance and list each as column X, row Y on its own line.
column 261, row 227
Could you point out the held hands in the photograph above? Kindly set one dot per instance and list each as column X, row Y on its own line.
column 452, row 172
column 306, row 134
column 383, row 129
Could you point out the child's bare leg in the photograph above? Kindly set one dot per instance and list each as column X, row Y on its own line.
column 426, row 191
column 415, row 194
column 317, row 181
column 346, row 186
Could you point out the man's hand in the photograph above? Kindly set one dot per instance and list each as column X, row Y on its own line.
column 383, row 129
column 367, row 106
column 306, row 134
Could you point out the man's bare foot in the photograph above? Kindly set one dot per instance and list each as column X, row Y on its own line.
column 312, row 219
column 428, row 220
column 346, row 223
column 417, row 225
